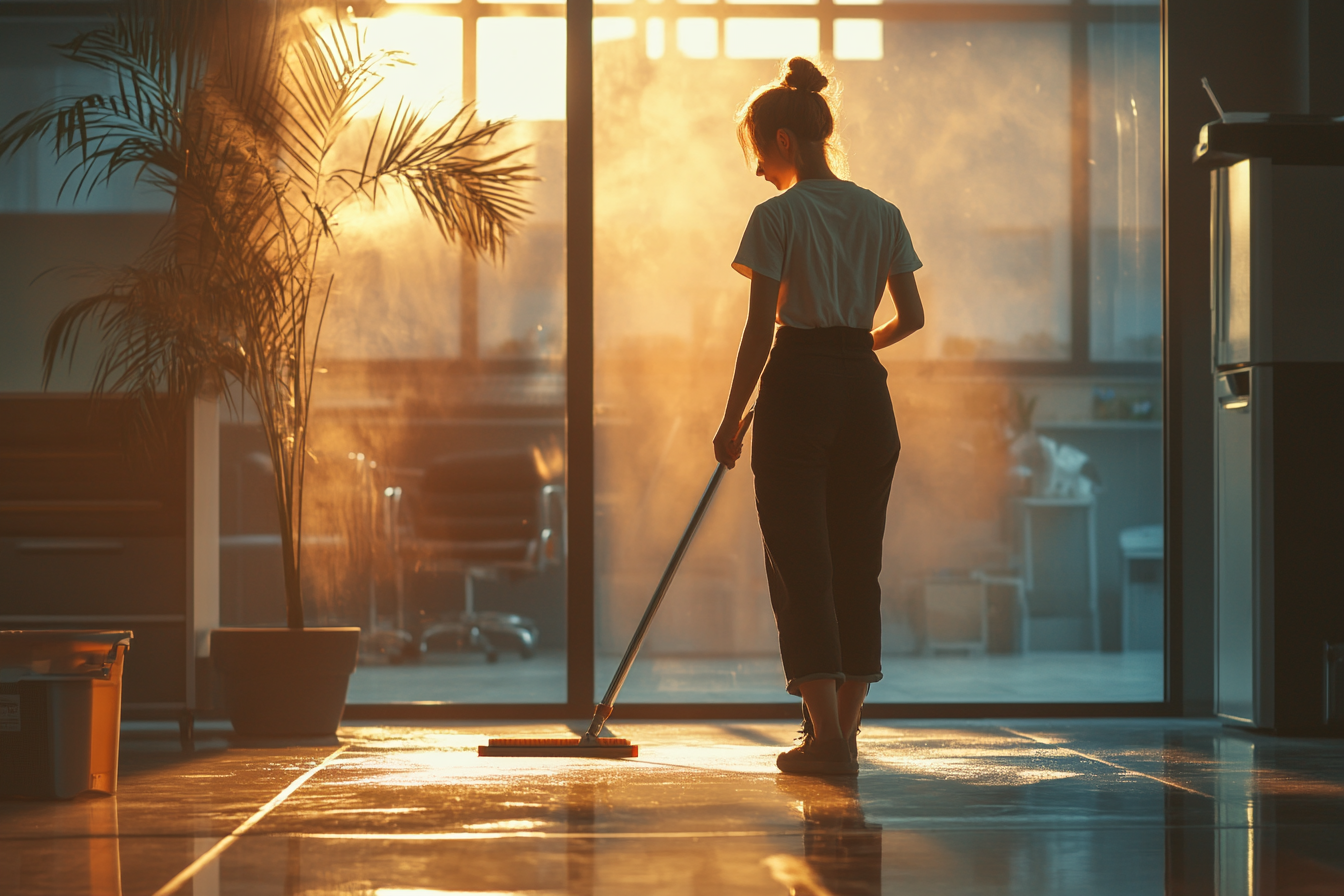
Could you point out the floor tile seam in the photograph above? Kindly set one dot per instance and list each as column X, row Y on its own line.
column 1115, row 765
column 218, row 849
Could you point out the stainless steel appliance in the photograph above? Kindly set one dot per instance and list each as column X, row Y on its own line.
column 1277, row 283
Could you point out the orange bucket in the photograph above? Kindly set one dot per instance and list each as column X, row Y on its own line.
column 60, row 711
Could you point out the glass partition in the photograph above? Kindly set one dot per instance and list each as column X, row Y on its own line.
column 48, row 234
column 1024, row 548
column 435, row 512
column 1020, row 564
column 1126, row 196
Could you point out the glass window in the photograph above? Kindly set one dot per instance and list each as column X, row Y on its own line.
column 435, row 509
column 1025, row 473
column 770, row 38
column 698, row 37
column 48, row 237
column 858, row 39
column 1023, row 553
column 520, row 65
column 966, row 128
column 1126, row 199
column 33, row 181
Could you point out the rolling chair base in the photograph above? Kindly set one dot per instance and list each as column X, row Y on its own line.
column 483, row 632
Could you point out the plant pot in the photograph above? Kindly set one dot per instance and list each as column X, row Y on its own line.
column 284, row 682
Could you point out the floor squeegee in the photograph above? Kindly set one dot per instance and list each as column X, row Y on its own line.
column 592, row 744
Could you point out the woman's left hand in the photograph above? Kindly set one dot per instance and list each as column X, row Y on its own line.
column 728, row 441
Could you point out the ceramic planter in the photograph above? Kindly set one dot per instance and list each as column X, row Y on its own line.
column 284, row 682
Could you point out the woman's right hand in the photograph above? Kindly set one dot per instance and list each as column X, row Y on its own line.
column 727, row 444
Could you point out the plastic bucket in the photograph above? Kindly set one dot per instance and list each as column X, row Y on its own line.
column 60, row 712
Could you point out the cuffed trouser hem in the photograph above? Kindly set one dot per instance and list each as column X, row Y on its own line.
column 869, row 679
column 833, row 676
column 815, row 676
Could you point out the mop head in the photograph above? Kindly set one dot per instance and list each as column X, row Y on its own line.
column 604, row 748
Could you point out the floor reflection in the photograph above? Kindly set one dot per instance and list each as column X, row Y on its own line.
column 1118, row 807
column 842, row 850
column 78, row 852
column 1272, row 821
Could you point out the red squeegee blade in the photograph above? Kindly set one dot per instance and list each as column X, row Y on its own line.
column 606, row 747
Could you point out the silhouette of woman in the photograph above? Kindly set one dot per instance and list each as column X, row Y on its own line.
column 820, row 256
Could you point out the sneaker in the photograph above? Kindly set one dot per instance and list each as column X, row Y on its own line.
column 819, row 757
column 805, row 733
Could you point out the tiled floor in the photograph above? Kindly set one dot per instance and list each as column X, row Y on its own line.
column 1087, row 807
column 1044, row 677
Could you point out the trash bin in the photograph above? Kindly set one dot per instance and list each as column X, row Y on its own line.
column 60, row 712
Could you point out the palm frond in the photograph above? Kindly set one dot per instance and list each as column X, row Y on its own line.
column 470, row 193
column 152, row 53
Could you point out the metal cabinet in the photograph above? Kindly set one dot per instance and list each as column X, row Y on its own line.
column 97, row 532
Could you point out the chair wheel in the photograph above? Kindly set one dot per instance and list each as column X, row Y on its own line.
column 526, row 653
column 492, row 656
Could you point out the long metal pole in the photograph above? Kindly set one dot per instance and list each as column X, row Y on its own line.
column 603, row 710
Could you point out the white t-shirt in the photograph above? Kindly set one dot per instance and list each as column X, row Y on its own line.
column 831, row 244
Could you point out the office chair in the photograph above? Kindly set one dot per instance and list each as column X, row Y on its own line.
column 480, row 514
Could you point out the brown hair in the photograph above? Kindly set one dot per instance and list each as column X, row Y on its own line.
column 799, row 100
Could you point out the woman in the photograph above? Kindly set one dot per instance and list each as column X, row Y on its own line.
column 819, row 256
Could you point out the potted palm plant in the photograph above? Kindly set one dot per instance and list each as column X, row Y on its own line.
column 254, row 118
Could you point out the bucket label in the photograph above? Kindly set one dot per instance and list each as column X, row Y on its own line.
column 9, row 712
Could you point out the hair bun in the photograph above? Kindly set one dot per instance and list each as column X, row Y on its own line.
column 804, row 75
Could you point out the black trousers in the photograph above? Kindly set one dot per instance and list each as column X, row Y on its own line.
column 823, row 454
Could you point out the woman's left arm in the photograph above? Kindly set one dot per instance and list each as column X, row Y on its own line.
column 752, row 353
column 909, row 311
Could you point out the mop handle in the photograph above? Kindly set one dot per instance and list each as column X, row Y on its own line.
column 603, row 709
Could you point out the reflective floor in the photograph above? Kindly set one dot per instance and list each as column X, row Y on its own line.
column 1091, row 807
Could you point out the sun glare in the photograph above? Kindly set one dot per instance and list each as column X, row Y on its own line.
column 655, row 38
column 771, row 38
column 433, row 44
column 858, row 39
column 520, row 67
column 698, row 38
column 612, row 28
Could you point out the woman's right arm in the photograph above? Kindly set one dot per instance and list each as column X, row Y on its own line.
column 752, row 353
column 909, row 311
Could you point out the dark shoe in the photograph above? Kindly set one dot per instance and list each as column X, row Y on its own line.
column 805, row 733
column 819, row 757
